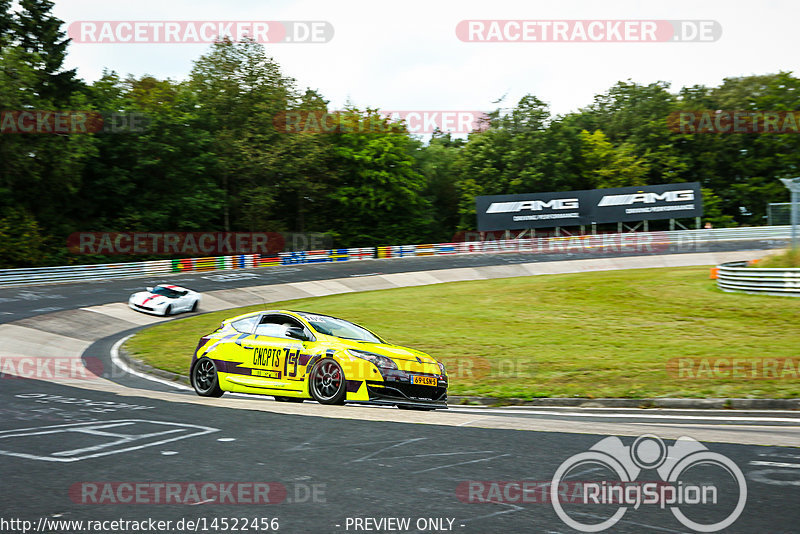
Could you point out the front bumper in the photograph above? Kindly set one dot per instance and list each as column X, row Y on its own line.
column 394, row 393
column 146, row 309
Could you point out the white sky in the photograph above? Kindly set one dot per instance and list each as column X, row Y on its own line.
column 405, row 55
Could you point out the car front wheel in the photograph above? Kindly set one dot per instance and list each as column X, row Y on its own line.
column 205, row 379
column 327, row 383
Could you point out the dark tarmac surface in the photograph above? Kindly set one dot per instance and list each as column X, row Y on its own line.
column 58, row 455
column 28, row 301
column 70, row 454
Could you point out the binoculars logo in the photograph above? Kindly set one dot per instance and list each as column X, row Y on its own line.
column 648, row 452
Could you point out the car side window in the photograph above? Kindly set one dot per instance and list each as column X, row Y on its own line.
column 245, row 326
column 275, row 326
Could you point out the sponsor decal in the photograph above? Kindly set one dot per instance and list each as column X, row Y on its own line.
column 533, row 205
column 646, row 198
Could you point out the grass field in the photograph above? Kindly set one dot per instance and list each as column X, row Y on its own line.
column 602, row 334
column 788, row 259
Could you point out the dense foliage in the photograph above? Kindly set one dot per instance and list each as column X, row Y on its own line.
column 210, row 157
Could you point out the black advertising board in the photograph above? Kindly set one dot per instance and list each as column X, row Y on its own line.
column 535, row 210
column 647, row 203
column 573, row 208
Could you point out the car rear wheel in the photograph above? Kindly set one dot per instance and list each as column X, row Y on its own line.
column 168, row 310
column 205, row 379
column 327, row 383
column 194, row 306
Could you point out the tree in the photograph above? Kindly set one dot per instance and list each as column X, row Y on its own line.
column 21, row 242
column 6, row 23
column 377, row 195
column 239, row 92
column 607, row 166
column 38, row 33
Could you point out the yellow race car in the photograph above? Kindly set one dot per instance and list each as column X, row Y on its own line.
column 295, row 355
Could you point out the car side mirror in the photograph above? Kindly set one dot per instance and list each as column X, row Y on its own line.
column 149, row 289
column 295, row 332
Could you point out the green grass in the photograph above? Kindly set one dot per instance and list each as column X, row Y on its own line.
column 785, row 260
column 602, row 334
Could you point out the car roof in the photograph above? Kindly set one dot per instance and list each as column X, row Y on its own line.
column 294, row 313
column 173, row 287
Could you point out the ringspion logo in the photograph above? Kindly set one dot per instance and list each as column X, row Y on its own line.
column 691, row 478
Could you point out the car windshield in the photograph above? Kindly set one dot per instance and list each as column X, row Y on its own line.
column 166, row 292
column 331, row 326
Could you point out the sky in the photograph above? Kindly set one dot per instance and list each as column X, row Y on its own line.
column 407, row 56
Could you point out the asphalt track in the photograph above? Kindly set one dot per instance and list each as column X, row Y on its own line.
column 21, row 302
column 340, row 465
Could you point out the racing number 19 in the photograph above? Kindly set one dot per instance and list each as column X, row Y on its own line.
column 290, row 362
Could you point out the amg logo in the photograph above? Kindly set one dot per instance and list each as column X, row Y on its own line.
column 533, row 205
column 647, row 198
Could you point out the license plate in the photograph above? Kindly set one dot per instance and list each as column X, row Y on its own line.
column 423, row 380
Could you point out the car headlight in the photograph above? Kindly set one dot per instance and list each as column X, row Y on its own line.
column 442, row 369
column 379, row 360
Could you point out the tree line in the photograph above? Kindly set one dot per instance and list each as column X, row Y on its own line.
column 208, row 156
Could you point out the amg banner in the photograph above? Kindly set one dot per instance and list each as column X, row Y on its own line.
column 573, row 208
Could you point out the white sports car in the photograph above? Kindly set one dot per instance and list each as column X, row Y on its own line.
column 165, row 300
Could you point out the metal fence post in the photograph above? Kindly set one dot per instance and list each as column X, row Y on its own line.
column 793, row 185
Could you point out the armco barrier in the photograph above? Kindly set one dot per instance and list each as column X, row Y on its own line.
column 631, row 241
column 73, row 273
column 736, row 276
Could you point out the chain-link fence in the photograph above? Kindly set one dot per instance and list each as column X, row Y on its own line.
column 779, row 213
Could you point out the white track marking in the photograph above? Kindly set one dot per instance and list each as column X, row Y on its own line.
column 116, row 360
column 126, row 442
column 489, row 411
column 776, row 464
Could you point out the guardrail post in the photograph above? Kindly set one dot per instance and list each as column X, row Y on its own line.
column 793, row 185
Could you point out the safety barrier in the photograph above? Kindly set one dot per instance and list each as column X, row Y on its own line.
column 737, row 276
column 645, row 242
column 72, row 273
